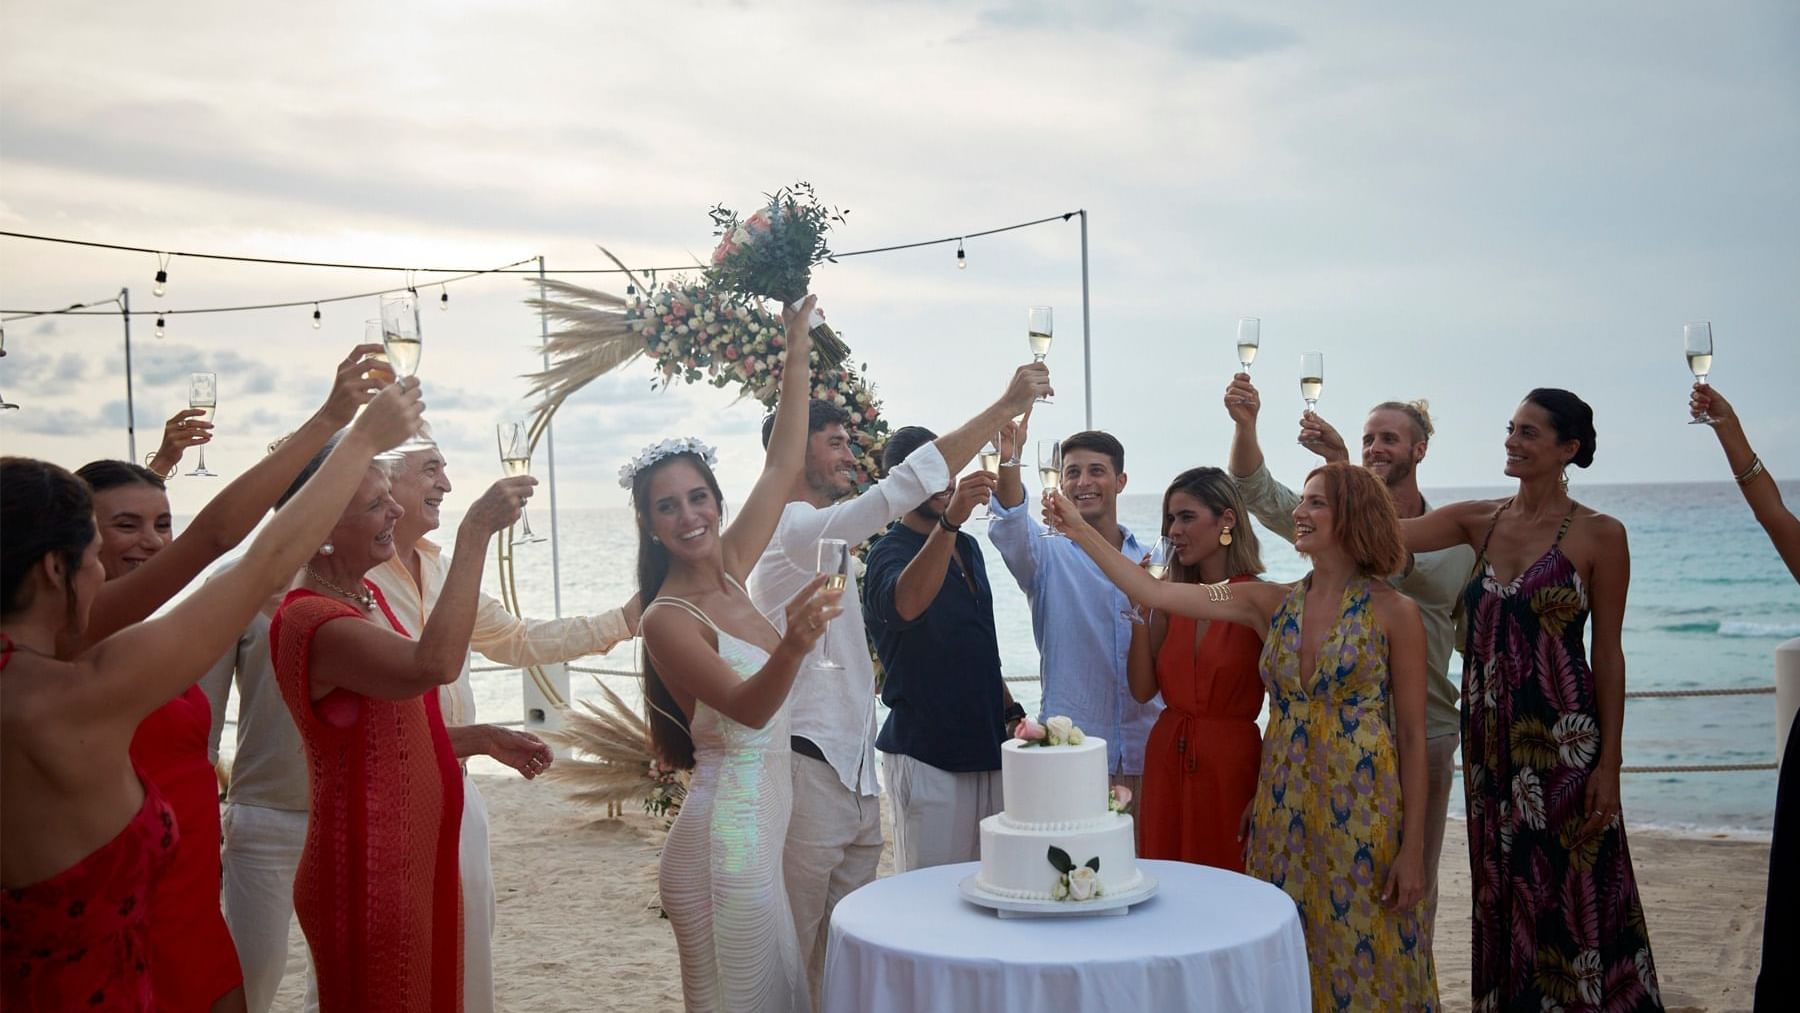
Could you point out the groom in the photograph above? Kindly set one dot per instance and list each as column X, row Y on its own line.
column 834, row 835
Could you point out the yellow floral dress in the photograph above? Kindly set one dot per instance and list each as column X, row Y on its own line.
column 1325, row 826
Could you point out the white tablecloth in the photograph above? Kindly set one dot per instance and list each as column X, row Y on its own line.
column 1208, row 940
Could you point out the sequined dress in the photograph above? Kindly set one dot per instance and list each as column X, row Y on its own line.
column 1326, row 822
column 720, row 875
column 1558, row 923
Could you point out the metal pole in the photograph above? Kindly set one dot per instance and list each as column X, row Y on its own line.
column 550, row 457
column 1087, row 342
column 130, row 408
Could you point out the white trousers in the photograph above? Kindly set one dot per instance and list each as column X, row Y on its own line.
column 937, row 812
column 833, row 847
column 262, row 850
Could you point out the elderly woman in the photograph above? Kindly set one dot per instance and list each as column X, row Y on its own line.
column 82, row 836
column 378, row 891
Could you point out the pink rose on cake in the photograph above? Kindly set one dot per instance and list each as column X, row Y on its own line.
column 1028, row 730
column 1057, row 730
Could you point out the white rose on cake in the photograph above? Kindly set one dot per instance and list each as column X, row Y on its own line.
column 1084, row 883
column 1059, row 728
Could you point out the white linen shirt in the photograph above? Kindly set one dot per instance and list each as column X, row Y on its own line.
column 835, row 709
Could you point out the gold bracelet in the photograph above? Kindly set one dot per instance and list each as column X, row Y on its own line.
column 1220, row 592
column 1755, row 469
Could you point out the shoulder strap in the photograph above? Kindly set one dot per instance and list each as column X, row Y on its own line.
column 686, row 606
column 1568, row 518
column 1491, row 525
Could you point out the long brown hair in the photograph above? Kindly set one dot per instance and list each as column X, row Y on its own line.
column 1363, row 520
column 1218, row 493
column 670, row 738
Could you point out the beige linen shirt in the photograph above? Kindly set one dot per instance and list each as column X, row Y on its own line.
column 499, row 635
column 1436, row 583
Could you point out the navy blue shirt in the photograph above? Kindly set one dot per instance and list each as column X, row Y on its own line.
column 942, row 683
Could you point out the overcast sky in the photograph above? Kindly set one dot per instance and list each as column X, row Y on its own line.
column 1455, row 203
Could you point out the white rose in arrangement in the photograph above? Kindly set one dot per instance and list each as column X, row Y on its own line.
column 1061, row 890
column 1059, row 728
column 1075, row 737
column 1084, row 883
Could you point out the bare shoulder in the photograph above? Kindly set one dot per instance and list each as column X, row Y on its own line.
column 1391, row 605
column 667, row 622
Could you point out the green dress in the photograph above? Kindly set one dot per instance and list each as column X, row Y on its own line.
column 1325, row 826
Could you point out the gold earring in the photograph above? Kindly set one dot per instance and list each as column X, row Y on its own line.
column 1225, row 536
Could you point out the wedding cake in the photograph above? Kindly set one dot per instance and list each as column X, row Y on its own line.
column 1060, row 837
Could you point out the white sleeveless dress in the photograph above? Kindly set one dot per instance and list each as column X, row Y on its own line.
column 720, row 875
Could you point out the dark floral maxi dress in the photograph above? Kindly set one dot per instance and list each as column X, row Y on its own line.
column 1558, row 924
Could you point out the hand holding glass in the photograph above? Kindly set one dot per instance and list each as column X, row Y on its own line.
column 1161, row 555
column 515, row 458
column 834, row 562
column 203, row 393
column 989, row 460
column 1038, row 327
column 1698, row 339
column 1050, row 471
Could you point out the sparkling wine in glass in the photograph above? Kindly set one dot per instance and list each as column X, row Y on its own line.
column 1249, row 338
column 1039, row 328
column 1698, row 336
column 372, row 336
column 834, row 562
column 1312, row 378
column 988, row 460
column 1161, row 555
column 515, row 459
column 1050, row 471
column 203, row 393
column 404, row 342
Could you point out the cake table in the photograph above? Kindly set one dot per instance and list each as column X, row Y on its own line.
column 1209, row 939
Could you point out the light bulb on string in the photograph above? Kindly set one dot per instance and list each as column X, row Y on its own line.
column 159, row 327
column 443, row 298
column 317, row 320
column 962, row 260
column 162, row 283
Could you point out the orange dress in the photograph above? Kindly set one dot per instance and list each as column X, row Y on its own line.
column 377, row 891
column 1201, row 762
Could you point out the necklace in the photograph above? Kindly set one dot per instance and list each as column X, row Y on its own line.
column 363, row 598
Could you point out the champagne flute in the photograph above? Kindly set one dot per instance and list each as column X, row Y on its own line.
column 1312, row 378
column 989, row 459
column 1698, row 337
column 1161, row 555
column 1249, row 338
column 834, row 561
column 1050, row 471
column 1038, row 329
column 203, row 393
column 404, row 342
column 515, row 458
column 372, row 336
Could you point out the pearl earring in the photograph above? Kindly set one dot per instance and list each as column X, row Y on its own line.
column 327, row 549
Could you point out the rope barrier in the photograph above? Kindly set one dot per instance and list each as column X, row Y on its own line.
column 1669, row 694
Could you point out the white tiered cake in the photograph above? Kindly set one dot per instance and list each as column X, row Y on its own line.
column 1056, row 813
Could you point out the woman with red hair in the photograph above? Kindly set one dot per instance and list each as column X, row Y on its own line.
column 1331, row 823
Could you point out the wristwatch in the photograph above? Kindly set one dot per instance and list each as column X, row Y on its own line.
column 151, row 456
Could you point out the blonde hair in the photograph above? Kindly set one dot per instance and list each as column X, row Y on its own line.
column 1419, row 411
column 1218, row 493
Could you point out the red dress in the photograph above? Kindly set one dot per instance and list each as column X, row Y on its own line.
column 378, row 890
column 192, row 959
column 78, row 939
column 1201, row 761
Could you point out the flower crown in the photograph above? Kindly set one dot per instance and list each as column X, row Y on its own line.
column 655, row 452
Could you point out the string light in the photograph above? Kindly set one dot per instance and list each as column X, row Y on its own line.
column 162, row 276
column 443, row 298
column 962, row 260
column 317, row 319
column 159, row 327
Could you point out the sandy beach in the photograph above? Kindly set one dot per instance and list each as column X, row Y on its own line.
column 578, row 927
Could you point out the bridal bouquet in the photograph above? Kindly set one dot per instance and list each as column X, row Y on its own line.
column 771, row 253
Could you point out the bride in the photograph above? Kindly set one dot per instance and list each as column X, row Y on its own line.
column 716, row 682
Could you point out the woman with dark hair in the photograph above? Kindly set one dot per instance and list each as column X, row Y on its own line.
column 716, row 682
column 1338, row 820
column 82, row 835
column 378, row 889
column 1557, row 915
column 194, row 963
column 1202, row 755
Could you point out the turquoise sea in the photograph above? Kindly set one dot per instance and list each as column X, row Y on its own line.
column 1709, row 603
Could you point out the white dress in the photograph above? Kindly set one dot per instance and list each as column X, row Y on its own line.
column 720, row 875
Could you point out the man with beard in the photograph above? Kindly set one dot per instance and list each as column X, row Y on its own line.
column 834, row 835
column 931, row 617
column 1395, row 437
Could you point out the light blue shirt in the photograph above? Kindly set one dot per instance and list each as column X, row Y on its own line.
column 1083, row 637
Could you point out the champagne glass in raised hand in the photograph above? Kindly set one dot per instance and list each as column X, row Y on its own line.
column 1050, row 471
column 1249, row 339
column 404, row 341
column 834, row 563
column 1156, row 565
column 203, row 396
column 1698, row 337
column 989, row 461
column 515, row 459
column 1312, row 378
column 1039, row 329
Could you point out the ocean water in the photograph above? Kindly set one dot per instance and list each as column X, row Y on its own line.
column 1710, row 600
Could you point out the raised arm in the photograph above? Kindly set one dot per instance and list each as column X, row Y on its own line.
column 1029, row 382
column 923, row 577
column 1010, row 490
column 1250, row 603
column 373, row 660
column 1459, row 523
column 236, row 510
column 1242, row 402
column 1607, row 589
column 1756, row 483
column 749, row 534
column 143, row 666
column 687, row 657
